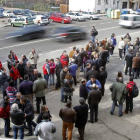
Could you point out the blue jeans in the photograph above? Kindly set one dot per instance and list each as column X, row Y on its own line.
column 93, row 39
column 51, row 79
column 21, row 131
column 120, row 107
column 62, row 93
column 7, row 126
column 46, row 77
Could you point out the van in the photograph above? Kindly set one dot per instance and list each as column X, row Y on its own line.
column 129, row 20
column 41, row 20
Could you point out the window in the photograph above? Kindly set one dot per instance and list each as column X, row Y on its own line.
column 99, row 2
column 125, row 18
column 136, row 19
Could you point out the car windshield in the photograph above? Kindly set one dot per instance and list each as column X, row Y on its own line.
column 78, row 14
column 86, row 13
column 43, row 17
column 63, row 15
column 8, row 11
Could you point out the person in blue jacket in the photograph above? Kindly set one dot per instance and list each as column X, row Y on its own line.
column 72, row 69
column 90, row 83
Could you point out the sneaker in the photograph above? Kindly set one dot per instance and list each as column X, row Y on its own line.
column 121, row 115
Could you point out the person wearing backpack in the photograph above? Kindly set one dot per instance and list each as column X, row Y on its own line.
column 94, row 33
column 5, row 115
column 129, row 96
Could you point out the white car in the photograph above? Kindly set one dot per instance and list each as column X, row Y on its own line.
column 40, row 20
column 76, row 16
column 8, row 13
column 12, row 18
column 90, row 15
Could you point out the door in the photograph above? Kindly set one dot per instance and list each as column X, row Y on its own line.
column 16, row 22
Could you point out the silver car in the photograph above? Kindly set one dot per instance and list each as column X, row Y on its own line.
column 76, row 16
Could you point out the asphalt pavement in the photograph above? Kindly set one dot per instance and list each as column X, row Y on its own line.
column 109, row 127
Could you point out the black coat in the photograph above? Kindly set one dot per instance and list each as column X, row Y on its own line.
column 17, row 101
column 103, row 76
column 3, row 78
column 58, row 68
column 94, row 97
column 90, row 73
column 86, row 71
column 128, row 59
column 68, row 85
column 104, row 55
column 82, row 115
column 83, row 91
column 27, row 108
column 17, row 117
column 21, row 69
column 78, row 60
column 98, row 63
column 33, row 77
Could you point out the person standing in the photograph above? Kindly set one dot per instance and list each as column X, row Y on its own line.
column 46, row 71
column 14, row 56
column 93, row 34
column 119, row 92
column 26, row 88
column 33, row 57
column 64, row 59
column 58, row 70
column 52, row 71
column 94, row 97
column 17, row 119
column 103, row 77
column 10, row 62
column 34, row 75
column 121, row 47
column 68, row 116
column 71, row 54
column 83, row 93
column 129, row 96
column 136, row 66
column 82, row 117
column 63, row 74
column 45, row 129
column 5, row 114
column 114, row 43
column 39, row 88
column 24, row 60
column 28, row 111
column 128, row 59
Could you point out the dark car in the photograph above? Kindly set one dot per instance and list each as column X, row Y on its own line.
column 69, row 33
column 28, row 33
column 17, row 12
column 26, row 11
column 2, row 9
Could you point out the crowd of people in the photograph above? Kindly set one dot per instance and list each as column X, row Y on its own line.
column 18, row 104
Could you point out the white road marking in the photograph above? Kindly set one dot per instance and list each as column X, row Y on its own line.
column 55, row 51
column 40, row 54
column 83, row 26
column 109, row 28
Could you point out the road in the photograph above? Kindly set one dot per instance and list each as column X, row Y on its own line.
column 109, row 127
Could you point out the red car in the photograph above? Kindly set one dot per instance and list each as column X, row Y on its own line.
column 58, row 17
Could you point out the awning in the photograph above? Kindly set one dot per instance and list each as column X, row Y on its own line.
column 134, row 1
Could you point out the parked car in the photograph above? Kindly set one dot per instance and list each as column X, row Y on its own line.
column 68, row 33
column 41, row 20
column 26, row 11
column 8, row 13
column 58, row 17
column 12, row 18
column 76, row 16
column 2, row 9
column 90, row 15
column 129, row 20
column 17, row 12
column 22, row 21
column 28, row 33
column 1, row 14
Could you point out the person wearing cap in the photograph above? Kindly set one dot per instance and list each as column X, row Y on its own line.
column 83, row 90
column 128, row 59
column 89, row 84
column 68, row 116
column 119, row 92
column 82, row 117
column 94, row 97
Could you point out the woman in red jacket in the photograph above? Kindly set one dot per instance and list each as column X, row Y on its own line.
column 64, row 59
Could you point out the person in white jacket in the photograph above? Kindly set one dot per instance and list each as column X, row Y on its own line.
column 121, row 47
column 45, row 129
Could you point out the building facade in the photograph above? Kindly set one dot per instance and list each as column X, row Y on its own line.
column 99, row 6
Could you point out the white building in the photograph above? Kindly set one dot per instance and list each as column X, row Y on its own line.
column 99, row 6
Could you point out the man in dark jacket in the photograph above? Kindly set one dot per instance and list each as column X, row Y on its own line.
column 6, row 84
column 83, row 90
column 86, row 69
column 27, row 109
column 78, row 61
column 82, row 53
column 17, row 100
column 94, row 97
column 82, row 117
column 17, row 119
column 34, row 75
column 102, row 79
column 68, row 116
column 5, row 112
column 93, row 34
column 3, row 79
column 119, row 92
column 29, row 69
column 58, row 70
column 92, row 72
column 63, row 74
column 26, row 88
column 128, row 58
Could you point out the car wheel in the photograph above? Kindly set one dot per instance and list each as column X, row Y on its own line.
column 78, row 19
column 62, row 21
column 12, row 25
column 91, row 18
